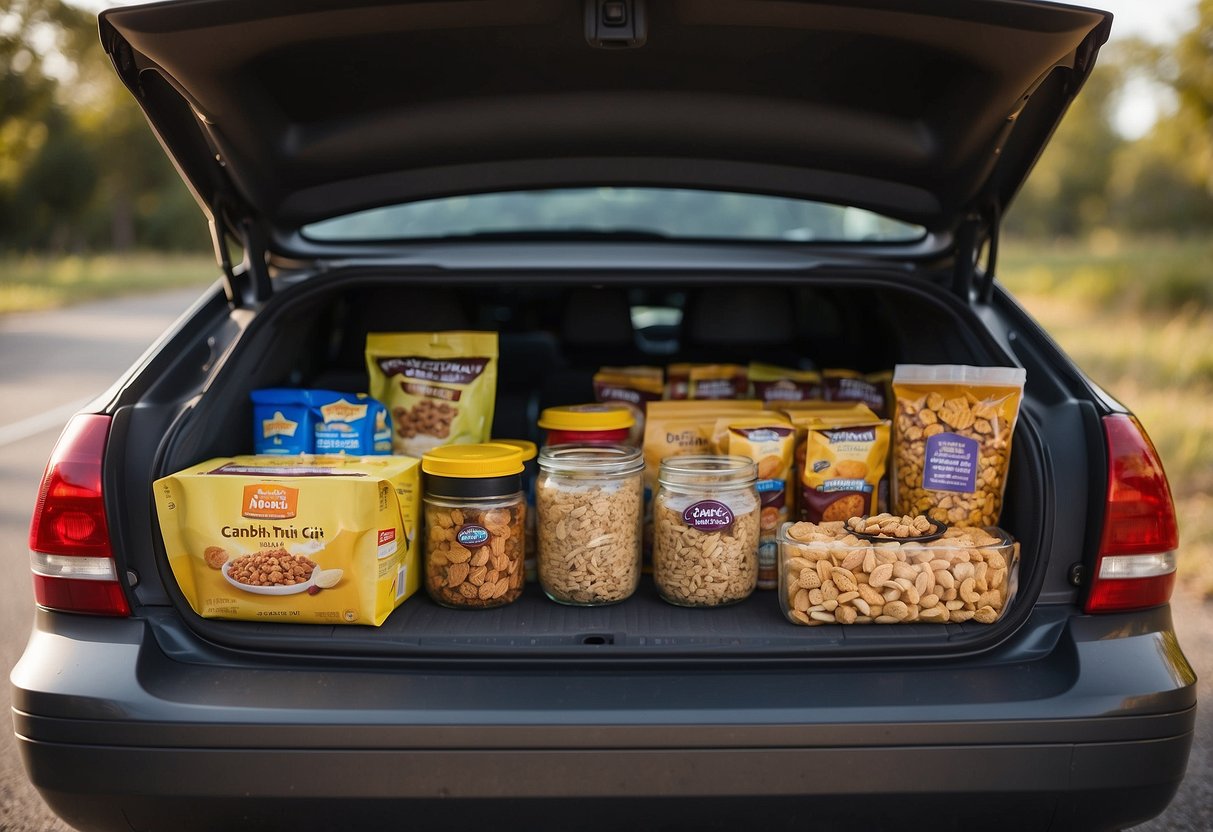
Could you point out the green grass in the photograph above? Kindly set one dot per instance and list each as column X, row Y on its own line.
column 1138, row 318
column 30, row 283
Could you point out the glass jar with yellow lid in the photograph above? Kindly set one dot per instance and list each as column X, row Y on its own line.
column 475, row 521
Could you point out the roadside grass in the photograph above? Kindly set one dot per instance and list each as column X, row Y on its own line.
column 1138, row 318
column 31, row 283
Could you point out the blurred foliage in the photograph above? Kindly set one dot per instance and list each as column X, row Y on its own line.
column 79, row 168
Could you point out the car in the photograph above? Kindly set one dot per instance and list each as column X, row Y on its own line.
column 608, row 182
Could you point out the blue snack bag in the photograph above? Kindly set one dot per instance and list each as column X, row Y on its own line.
column 297, row 421
column 282, row 421
column 350, row 423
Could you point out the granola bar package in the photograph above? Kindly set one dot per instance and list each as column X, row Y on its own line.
column 776, row 386
column 634, row 387
column 300, row 539
column 439, row 387
column 718, row 381
column 871, row 389
column 952, row 440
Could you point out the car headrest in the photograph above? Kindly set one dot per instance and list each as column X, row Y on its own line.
column 739, row 315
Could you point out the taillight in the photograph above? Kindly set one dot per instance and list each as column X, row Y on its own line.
column 70, row 552
column 1136, row 565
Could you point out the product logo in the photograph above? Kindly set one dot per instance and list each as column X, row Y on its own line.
column 456, row 371
column 758, row 435
column 471, row 536
column 270, row 502
column 865, row 435
column 343, row 411
column 386, row 536
column 278, row 425
column 708, row 516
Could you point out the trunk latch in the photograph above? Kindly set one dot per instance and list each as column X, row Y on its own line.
column 615, row 24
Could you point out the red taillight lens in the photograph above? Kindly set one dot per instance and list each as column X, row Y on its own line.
column 69, row 542
column 1136, row 567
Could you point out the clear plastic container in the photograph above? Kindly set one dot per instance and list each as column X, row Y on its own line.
column 828, row 575
column 589, row 501
column 705, row 530
column 475, row 525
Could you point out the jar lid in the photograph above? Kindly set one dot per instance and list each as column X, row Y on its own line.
column 473, row 461
column 591, row 460
column 529, row 449
column 587, row 417
column 708, row 470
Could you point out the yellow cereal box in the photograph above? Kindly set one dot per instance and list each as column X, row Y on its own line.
column 304, row 539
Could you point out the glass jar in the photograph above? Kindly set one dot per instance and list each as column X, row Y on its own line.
column 475, row 522
column 590, row 501
column 587, row 424
column 705, row 530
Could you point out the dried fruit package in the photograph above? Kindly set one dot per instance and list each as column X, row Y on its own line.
column 769, row 440
column 439, row 387
column 302, row 539
column 952, row 440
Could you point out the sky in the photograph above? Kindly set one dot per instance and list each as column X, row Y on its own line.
column 1156, row 20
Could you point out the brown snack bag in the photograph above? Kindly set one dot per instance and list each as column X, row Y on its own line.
column 769, row 440
column 952, row 440
column 842, row 470
column 717, row 382
column 850, row 386
column 804, row 415
column 440, row 387
column 777, row 386
column 634, row 387
column 677, row 381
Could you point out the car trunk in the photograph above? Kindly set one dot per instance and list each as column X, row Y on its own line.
column 555, row 330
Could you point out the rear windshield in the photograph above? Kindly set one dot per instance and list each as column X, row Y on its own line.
column 641, row 212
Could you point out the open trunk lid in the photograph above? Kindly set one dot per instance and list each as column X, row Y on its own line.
column 282, row 113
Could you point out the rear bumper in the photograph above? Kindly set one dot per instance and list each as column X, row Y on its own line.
column 1093, row 731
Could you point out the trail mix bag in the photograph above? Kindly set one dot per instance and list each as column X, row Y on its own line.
column 952, row 440
column 843, row 467
column 871, row 389
column 440, row 387
column 718, row 381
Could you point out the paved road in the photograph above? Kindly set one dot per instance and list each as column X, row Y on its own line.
column 52, row 362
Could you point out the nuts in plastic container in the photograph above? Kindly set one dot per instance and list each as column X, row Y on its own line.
column 829, row 575
column 705, row 530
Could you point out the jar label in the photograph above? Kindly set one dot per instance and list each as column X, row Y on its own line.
column 708, row 516
column 472, row 536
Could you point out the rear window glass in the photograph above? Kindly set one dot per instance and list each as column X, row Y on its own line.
column 643, row 212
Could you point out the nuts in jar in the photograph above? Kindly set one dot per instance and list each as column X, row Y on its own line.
column 705, row 530
column 475, row 521
column 590, row 504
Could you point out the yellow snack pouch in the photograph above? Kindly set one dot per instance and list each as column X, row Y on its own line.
column 842, row 470
column 952, row 440
column 304, row 539
column 685, row 427
column 769, row 440
column 439, row 387
column 718, row 381
column 779, row 385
